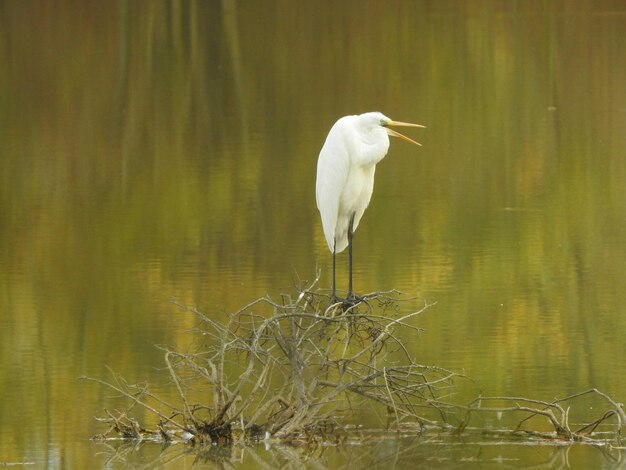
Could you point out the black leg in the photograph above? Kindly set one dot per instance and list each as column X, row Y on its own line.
column 350, row 233
column 352, row 298
column 334, row 296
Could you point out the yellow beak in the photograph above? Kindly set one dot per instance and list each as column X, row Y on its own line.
column 397, row 134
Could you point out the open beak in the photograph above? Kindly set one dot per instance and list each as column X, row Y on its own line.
column 397, row 134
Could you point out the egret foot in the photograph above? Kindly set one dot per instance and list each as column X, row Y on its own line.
column 354, row 299
column 335, row 299
column 347, row 302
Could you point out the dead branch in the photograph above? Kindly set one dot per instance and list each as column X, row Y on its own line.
column 557, row 415
column 294, row 369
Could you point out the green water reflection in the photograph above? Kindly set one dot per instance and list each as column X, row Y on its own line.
column 157, row 150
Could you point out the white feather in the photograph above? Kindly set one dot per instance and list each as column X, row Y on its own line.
column 345, row 173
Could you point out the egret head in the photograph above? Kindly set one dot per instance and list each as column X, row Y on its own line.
column 379, row 119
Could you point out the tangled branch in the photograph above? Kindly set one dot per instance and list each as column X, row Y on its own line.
column 294, row 370
column 291, row 371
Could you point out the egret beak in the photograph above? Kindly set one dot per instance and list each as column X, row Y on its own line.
column 397, row 134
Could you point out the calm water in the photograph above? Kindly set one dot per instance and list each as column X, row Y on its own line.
column 156, row 150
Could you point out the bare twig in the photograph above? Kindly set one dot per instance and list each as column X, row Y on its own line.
column 293, row 368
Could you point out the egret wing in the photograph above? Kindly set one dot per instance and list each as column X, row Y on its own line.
column 333, row 166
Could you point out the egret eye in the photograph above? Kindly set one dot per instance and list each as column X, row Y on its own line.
column 383, row 122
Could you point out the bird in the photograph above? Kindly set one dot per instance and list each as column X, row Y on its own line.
column 345, row 180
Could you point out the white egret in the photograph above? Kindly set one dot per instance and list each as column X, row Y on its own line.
column 345, row 179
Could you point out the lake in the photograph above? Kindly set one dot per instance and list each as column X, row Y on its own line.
column 153, row 151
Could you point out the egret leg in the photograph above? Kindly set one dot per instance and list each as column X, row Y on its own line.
column 352, row 298
column 350, row 257
column 334, row 296
column 350, row 234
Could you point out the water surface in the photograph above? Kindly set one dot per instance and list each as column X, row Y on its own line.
column 162, row 150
